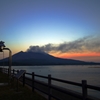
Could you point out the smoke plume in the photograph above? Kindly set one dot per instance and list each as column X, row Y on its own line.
column 86, row 44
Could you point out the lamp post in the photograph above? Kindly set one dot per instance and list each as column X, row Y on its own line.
column 2, row 47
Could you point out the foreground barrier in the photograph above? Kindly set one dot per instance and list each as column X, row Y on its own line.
column 53, row 91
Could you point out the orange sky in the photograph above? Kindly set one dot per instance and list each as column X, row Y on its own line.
column 93, row 56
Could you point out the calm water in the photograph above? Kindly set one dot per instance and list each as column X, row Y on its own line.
column 75, row 73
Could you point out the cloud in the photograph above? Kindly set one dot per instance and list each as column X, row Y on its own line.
column 86, row 44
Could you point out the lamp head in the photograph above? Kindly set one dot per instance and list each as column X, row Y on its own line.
column 1, row 46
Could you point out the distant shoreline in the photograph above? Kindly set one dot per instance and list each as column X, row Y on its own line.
column 52, row 65
column 93, row 67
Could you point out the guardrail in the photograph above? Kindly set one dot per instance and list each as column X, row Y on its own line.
column 54, row 91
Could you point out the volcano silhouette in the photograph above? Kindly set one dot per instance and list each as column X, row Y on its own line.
column 41, row 58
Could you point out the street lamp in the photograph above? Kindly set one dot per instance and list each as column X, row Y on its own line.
column 2, row 47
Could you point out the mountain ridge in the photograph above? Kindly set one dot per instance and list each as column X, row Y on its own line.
column 41, row 58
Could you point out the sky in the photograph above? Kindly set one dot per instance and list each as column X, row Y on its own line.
column 63, row 28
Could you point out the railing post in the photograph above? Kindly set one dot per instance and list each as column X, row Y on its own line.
column 84, row 89
column 17, row 82
column 49, row 84
column 13, row 71
column 24, row 79
column 33, row 81
column 17, row 71
column 8, row 71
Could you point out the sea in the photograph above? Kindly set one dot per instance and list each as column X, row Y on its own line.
column 74, row 73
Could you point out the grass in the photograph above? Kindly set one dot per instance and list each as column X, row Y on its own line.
column 9, row 92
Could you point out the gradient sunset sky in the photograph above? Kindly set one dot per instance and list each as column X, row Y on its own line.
column 62, row 28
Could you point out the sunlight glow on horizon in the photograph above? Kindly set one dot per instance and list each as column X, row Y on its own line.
column 79, row 56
